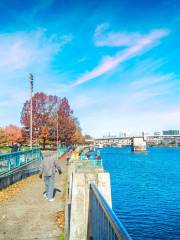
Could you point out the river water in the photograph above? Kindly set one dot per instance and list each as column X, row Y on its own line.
column 146, row 191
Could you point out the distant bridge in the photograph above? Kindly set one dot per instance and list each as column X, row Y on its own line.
column 126, row 141
column 117, row 141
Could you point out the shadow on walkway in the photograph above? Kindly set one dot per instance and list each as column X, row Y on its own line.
column 55, row 191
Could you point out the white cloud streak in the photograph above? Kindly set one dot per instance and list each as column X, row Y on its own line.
column 114, row 39
column 109, row 63
column 19, row 51
column 149, row 81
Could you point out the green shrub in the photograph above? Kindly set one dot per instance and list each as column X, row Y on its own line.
column 61, row 237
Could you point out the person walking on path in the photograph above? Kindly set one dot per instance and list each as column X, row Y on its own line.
column 48, row 168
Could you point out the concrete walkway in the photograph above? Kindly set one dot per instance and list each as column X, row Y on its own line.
column 28, row 215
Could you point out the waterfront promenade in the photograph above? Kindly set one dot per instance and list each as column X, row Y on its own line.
column 83, row 196
column 28, row 215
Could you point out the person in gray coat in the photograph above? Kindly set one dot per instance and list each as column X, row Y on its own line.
column 48, row 168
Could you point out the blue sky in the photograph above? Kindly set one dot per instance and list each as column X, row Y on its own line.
column 116, row 61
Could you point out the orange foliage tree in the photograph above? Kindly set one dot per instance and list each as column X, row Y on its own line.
column 13, row 134
column 78, row 137
column 2, row 136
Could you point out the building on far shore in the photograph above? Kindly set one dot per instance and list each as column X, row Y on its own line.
column 171, row 132
column 157, row 133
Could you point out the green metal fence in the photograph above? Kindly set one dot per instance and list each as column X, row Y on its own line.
column 82, row 165
column 10, row 161
column 61, row 151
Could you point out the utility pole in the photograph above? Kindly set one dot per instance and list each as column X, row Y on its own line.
column 57, row 130
column 31, row 92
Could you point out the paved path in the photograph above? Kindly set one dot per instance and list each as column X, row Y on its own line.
column 29, row 216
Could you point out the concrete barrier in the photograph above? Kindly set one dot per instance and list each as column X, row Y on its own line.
column 76, row 212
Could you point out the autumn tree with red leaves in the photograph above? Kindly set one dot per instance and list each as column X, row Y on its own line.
column 49, row 114
column 66, row 122
column 44, row 108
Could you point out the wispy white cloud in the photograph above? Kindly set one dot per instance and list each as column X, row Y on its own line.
column 22, row 50
column 108, row 63
column 102, row 38
column 84, row 100
column 148, row 81
column 149, row 65
column 142, row 95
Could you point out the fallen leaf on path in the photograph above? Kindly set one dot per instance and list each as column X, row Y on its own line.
column 59, row 219
column 15, row 188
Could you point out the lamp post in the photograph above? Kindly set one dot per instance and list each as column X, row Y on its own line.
column 31, row 92
column 57, row 129
column 57, row 132
column 36, row 132
column 57, row 126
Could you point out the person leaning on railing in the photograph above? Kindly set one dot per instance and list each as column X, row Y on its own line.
column 98, row 155
column 48, row 168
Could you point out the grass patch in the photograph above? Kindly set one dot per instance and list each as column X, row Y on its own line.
column 5, row 149
column 61, row 237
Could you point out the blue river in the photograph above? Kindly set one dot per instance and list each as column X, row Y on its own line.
column 146, row 191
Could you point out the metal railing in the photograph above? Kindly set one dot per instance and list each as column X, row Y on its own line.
column 82, row 165
column 103, row 224
column 10, row 161
column 61, row 151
